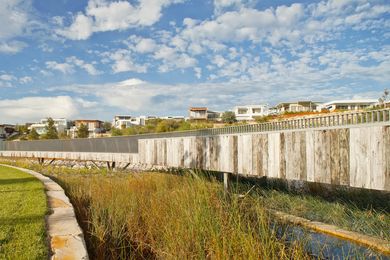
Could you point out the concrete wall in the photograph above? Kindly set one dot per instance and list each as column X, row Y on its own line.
column 354, row 156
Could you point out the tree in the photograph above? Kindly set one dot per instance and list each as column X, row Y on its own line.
column 116, row 132
column 82, row 131
column 384, row 98
column 33, row 135
column 51, row 131
column 167, row 126
column 107, row 126
column 229, row 117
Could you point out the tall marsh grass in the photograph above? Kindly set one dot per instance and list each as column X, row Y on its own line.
column 160, row 216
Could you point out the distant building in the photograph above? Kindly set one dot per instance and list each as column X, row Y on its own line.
column 61, row 124
column 177, row 118
column 298, row 106
column 6, row 131
column 198, row 113
column 202, row 113
column 250, row 112
column 95, row 127
column 123, row 121
column 347, row 104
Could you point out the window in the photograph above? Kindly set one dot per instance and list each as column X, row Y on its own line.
column 256, row 110
column 242, row 111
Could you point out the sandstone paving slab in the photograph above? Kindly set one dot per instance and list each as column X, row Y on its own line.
column 58, row 195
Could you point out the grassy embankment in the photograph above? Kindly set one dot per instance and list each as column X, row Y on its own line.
column 22, row 216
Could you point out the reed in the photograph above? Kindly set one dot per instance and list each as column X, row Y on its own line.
column 171, row 217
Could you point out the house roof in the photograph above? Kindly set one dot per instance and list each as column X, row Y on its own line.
column 303, row 103
column 198, row 108
column 351, row 101
column 87, row 120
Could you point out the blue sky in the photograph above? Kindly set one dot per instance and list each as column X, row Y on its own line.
column 97, row 58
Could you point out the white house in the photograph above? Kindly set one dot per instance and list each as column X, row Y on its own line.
column 61, row 124
column 177, row 118
column 297, row 106
column 347, row 104
column 250, row 112
column 125, row 121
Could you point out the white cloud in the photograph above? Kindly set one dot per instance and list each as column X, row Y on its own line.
column 65, row 68
column 143, row 98
column 14, row 18
column 30, row 109
column 102, row 16
column 68, row 67
column 221, row 5
column 146, row 45
column 7, row 77
column 25, row 80
column 123, row 62
column 12, row 46
column 89, row 68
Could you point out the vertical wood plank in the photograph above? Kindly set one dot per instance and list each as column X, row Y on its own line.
column 344, row 156
column 302, row 156
column 334, row 157
column 322, row 156
column 386, row 166
column 310, row 155
column 283, row 155
column 273, row 152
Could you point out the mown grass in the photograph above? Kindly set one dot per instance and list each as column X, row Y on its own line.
column 22, row 216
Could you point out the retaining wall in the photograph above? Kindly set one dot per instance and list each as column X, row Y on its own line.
column 355, row 156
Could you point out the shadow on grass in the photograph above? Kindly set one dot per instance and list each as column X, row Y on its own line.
column 17, row 181
column 21, row 220
column 20, row 190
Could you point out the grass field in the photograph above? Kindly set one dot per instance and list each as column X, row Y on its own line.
column 22, row 216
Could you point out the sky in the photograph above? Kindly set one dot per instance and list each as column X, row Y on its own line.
column 95, row 59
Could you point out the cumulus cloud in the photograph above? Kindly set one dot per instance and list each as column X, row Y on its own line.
column 123, row 61
column 68, row 67
column 30, row 109
column 102, row 16
column 14, row 17
column 25, row 80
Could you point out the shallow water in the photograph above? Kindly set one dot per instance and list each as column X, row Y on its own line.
column 323, row 246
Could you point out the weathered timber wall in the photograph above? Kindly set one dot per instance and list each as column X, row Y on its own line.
column 356, row 157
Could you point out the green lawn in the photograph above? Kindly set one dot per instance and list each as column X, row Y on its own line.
column 22, row 216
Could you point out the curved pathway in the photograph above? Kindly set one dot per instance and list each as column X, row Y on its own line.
column 65, row 235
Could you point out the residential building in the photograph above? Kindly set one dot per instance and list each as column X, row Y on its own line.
column 347, row 104
column 123, row 121
column 202, row 113
column 61, row 124
column 177, row 118
column 95, row 127
column 198, row 113
column 298, row 106
column 250, row 112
